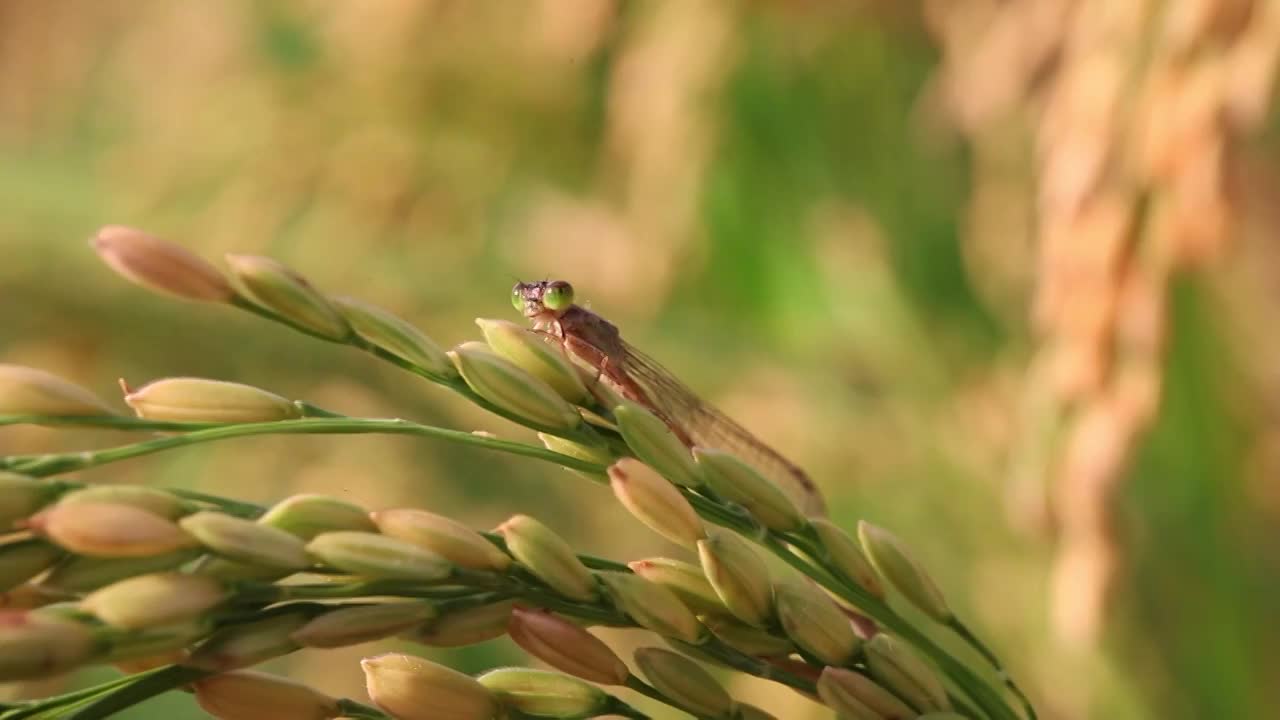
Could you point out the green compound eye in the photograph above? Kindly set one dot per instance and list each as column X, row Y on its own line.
column 517, row 298
column 558, row 296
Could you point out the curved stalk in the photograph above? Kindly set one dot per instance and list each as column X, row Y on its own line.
column 196, row 433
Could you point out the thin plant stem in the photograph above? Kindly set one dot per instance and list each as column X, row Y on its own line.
column 617, row 706
column 238, row 508
column 959, row 628
column 644, row 688
column 651, row 692
column 591, row 561
column 168, row 678
column 359, row 711
column 21, row 711
column 53, row 464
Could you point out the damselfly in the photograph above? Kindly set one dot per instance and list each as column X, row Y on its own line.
column 637, row 377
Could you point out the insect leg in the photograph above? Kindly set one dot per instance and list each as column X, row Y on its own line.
column 589, row 353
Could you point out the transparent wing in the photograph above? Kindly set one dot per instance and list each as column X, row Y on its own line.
column 708, row 427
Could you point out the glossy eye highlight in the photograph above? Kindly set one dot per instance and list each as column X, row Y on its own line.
column 558, row 296
column 517, row 297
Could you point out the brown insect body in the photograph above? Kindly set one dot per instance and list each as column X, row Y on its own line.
column 637, row 377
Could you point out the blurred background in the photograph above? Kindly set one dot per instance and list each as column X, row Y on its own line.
column 1000, row 274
